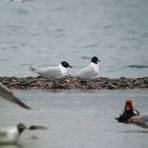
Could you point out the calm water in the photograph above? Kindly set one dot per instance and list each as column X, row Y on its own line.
column 45, row 32
column 77, row 119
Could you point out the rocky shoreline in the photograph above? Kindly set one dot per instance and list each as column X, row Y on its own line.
column 74, row 83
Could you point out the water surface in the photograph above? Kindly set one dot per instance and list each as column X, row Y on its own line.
column 77, row 119
column 45, row 32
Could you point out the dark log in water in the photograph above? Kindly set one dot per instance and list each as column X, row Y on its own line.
column 74, row 83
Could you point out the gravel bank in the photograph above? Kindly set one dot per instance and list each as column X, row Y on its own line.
column 74, row 83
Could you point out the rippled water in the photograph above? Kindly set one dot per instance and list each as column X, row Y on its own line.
column 45, row 32
column 77, row 119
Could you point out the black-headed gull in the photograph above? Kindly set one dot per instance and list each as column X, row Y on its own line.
column 91, row 72
column 11, row 135
column 53, row 73
column 5, row 93
column 141, row 120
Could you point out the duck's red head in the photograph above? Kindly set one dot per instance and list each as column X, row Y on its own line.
column 128, row 105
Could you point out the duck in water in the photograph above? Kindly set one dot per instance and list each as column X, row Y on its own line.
column 128, row 112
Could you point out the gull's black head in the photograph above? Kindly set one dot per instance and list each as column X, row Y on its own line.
column 21, row 127
column 65, row 64
column 95, row 60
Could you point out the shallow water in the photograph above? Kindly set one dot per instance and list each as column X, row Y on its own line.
column 77, row 118
column 45, row 32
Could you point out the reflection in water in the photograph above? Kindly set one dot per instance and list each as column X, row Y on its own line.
column 85, row 57
column 19, row 0
column 135, row 131
column 138, row 66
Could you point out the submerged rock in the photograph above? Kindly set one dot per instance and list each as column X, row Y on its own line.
column 73, row 83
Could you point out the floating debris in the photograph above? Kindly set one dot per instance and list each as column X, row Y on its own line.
column 138, row 66
column 34, row 137
column 37, row 127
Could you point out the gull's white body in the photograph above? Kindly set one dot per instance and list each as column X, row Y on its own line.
column 140, row 120
column 9, row 135
column 51, row 73
column 91, row 72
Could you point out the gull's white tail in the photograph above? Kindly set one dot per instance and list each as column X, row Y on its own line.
column 33, row 69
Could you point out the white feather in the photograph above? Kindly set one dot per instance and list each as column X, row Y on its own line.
column 51, row 72
column 90, row 72
column 140, row 120
column 9, row 135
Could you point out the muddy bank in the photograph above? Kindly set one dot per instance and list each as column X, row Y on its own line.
column 74, row 83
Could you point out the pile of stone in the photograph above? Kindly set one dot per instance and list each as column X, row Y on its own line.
column 74, row 83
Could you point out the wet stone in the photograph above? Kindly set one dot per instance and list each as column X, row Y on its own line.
column 74, row 83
